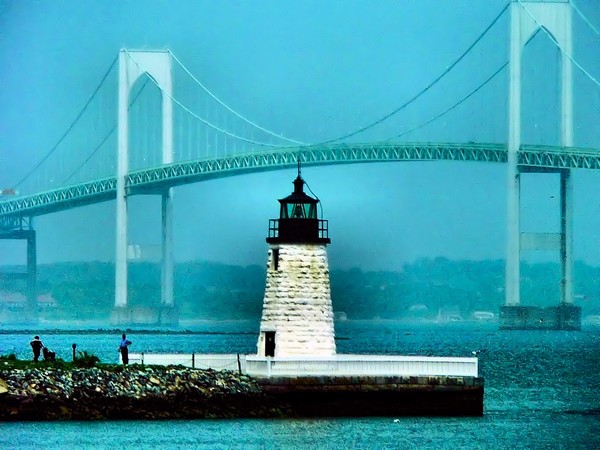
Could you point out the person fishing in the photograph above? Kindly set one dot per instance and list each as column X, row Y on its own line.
column 124, row 349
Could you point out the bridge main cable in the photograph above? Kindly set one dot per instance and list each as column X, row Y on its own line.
column 425, row 89
column 62, row 138
column 459, row 102
column 248, row 121
column 196, row 116
column 585, row 19
column 99, row 146
column 455, row 105
column 555, row 42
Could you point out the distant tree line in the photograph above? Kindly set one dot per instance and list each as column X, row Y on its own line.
column 206, row 290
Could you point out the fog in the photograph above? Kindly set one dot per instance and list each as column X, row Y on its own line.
column 313, row 71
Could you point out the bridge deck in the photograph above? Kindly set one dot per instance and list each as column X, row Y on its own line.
column 157, row 179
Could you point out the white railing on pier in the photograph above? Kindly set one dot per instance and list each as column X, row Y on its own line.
column 336, row 365
column 233, row 362
column 362, row 365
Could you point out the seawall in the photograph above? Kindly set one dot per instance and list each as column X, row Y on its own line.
column 378, row 396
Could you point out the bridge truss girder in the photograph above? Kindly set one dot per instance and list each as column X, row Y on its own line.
column 174, row 174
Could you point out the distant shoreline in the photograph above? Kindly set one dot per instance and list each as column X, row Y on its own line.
column 118, row 331
column 130, row 331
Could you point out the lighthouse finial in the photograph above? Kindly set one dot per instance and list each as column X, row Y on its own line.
column 299, row 171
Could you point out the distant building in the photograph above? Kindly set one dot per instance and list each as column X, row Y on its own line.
column 418, row 311
column 484, row 316
column 46, row 301
column 449, row 315
column 13, row 301
column 418, row 308
column 340, row 315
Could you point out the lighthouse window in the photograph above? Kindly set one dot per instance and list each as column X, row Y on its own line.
column 298, row 212
column 275, row 260
column 291, row 210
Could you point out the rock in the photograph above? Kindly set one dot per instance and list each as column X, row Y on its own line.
column 135, row 393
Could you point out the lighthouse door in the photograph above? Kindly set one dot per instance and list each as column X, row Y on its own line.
column 269, row 343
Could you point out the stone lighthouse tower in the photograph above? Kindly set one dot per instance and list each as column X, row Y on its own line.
column 297, row 317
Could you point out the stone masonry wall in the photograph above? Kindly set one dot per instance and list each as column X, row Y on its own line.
column 297, row 302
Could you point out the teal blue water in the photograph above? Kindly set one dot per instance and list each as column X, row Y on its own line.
column 542, row 391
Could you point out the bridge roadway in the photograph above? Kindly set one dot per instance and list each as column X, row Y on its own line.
column 157, row 179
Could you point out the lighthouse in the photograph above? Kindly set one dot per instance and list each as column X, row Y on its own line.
column 297, row 316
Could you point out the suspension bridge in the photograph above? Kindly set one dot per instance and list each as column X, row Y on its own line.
column 167, row 129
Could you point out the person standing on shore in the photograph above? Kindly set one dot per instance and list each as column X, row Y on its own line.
column 36, row 346
column 123, row 348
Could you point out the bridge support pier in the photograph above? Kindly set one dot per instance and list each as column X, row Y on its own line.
column 526, row 18
column 29, row 314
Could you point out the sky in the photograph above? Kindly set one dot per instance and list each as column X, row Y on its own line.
column 313, row 71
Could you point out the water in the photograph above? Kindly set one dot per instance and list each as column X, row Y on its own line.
column 542, row 391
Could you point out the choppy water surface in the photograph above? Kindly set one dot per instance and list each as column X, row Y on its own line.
column 542, row 390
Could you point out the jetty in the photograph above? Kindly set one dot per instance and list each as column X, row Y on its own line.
column 350, row 385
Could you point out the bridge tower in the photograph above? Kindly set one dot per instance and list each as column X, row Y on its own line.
column 297, row 317
column 527, row 16
column 132, row 65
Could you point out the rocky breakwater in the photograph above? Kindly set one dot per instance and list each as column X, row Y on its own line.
column 134, row 392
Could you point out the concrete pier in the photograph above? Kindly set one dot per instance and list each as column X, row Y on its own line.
column 134, row 315
column 168, row 315
column 390, row 396
column 562, row 317
column 350, row 385
column 127, row 315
